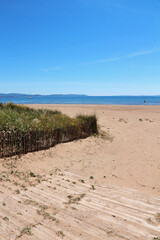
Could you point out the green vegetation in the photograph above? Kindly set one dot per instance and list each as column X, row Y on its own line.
column 81, row 180
column 75, row 199
column 60, row 234
column 85, row 118
column 18, row 191
column 93, row 187
column 24, row 129
column 32, row 174
column 91, row 177
column 5, row 218
column 26, row 230
column 21, row 118
column 122, row 120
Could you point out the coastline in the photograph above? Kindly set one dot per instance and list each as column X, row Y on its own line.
column 78, row 99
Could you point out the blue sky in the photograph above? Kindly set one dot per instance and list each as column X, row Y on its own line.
column 94, row 47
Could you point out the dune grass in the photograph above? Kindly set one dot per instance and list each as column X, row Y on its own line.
column 21, row 118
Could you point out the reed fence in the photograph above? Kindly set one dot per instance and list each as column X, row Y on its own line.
column 18, row 142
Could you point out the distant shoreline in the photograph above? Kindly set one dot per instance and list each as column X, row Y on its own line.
column 69, row 95
column 81, row 99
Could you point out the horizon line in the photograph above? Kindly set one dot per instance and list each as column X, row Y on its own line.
column 81, row 94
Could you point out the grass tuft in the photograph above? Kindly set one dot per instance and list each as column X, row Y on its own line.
column 26, row 230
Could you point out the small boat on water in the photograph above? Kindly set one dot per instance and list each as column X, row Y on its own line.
column 29, row 97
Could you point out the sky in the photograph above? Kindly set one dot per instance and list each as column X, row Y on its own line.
column 93, row 47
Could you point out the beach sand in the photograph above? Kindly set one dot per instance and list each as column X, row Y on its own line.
column 117, row 172
column 129, row 156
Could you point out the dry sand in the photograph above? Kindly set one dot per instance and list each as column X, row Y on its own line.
column 105, row 187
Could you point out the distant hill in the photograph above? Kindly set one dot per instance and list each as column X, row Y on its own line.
column 38, row 95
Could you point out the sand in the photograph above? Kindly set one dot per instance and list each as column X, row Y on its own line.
column 103, row 187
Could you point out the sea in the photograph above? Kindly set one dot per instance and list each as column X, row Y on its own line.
column 81, row 99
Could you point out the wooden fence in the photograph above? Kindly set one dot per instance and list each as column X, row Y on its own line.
column 17, row 142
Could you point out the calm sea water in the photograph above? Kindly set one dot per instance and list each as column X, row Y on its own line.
column 115, row 100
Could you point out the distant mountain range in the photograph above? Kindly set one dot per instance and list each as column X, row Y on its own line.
column 66, row 95
column 39, row 95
